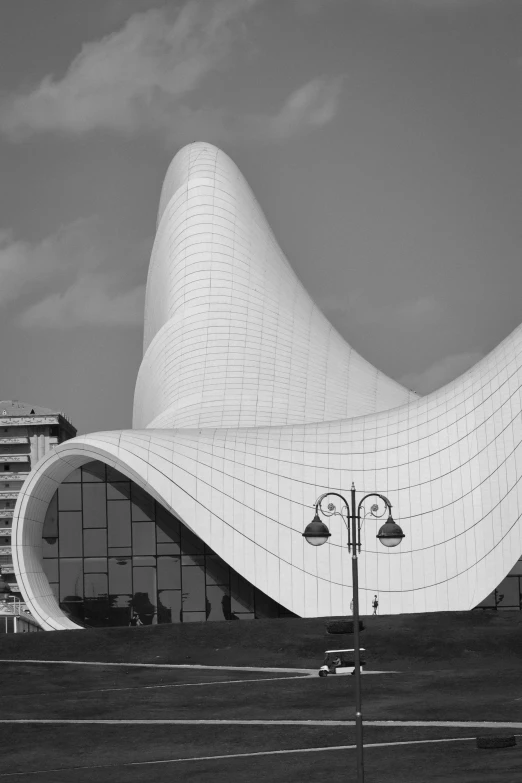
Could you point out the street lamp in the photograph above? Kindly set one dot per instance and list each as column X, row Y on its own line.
column 390, row 535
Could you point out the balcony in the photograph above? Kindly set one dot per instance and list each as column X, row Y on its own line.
column 5, row 551
column 9, row 494
column 7, row 569
column 14, row 441
column 6, row 513
column 14, row 457
column 13, row 477
column 13, row 586
column 5, row 532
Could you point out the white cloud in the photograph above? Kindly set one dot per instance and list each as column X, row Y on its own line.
column 93, row 299
column 313, row 105
column 23, row 264
column 140, row 78
column 440, row 373
column 129, row 79
column 83, row 273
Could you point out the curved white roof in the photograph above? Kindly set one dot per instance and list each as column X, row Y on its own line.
column 249, row 405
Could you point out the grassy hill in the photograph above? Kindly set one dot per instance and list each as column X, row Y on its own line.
column 454, row 666
column 405, row 642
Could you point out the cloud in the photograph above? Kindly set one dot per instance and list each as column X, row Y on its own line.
column 129, row 79
column 83, row 273
column 311, row 7
column 440, row 373
column 423, row 311
column 431, row 5
column 313, row 105
column 140, row 79
column 22, row 263
column 93, row 299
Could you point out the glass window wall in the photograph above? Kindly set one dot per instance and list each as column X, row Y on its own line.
column 112, row 552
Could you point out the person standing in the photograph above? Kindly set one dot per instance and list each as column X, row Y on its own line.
column 375, row 604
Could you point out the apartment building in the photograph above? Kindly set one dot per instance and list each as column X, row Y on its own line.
column 27, row 432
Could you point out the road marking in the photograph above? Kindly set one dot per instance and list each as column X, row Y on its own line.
column 171, row 666
column 274, row 669
column 239, row 755
column 177, row 685
column 455, row 724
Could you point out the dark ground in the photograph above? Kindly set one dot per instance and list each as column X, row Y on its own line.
column 463, row 666
column 409, row 642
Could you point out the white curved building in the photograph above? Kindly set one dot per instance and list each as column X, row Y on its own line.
column 248, row 406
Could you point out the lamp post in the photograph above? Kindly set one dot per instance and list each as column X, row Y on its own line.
column 390, row 535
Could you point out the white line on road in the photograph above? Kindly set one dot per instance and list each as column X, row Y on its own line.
column 239, row 756
column 190, row 684
column 170, row 666
column 269, row 669
column 456, row 724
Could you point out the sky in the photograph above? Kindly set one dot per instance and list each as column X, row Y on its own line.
column 382, row 138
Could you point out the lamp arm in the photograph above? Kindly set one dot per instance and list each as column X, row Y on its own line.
column 384, row 499
column 332, row 511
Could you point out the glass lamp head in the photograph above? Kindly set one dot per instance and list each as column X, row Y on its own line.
column 316, row 533
column 390, row 533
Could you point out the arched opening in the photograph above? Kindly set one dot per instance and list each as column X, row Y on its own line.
column 115, row 556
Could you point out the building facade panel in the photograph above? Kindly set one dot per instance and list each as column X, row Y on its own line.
column 248, row 406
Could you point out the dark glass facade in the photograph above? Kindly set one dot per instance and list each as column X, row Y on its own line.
column 111, row 552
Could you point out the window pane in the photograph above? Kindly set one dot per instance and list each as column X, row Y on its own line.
column 95, row 585
column 169, row 606
column 119, row 524
column 120, row 575
column 119, row 610
column 94, row 543
column 167, row 549
column 145, row 561
column 169, row 573
column 193, row 583
column 50, row 528
column 142, row 505
column 144, row 596
column 193, row 560
column 94, row 511
column 509, row 588
column 167, row 525
column 115, row 475
column 218, row 572
column 190, row 543
column 56, row 589
column 70, row 539
column 49, row 547
column 194, row 617
column 119, row 490
column 70, row 497
column 143, row 538
column 93, row 471
column 93, row 565
column 76, row 475
column 71, row 579
column 123, row 551
column 96, row 612
column 218, row 603
column 265, row 606
column 50, row 569
column 242, row 593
